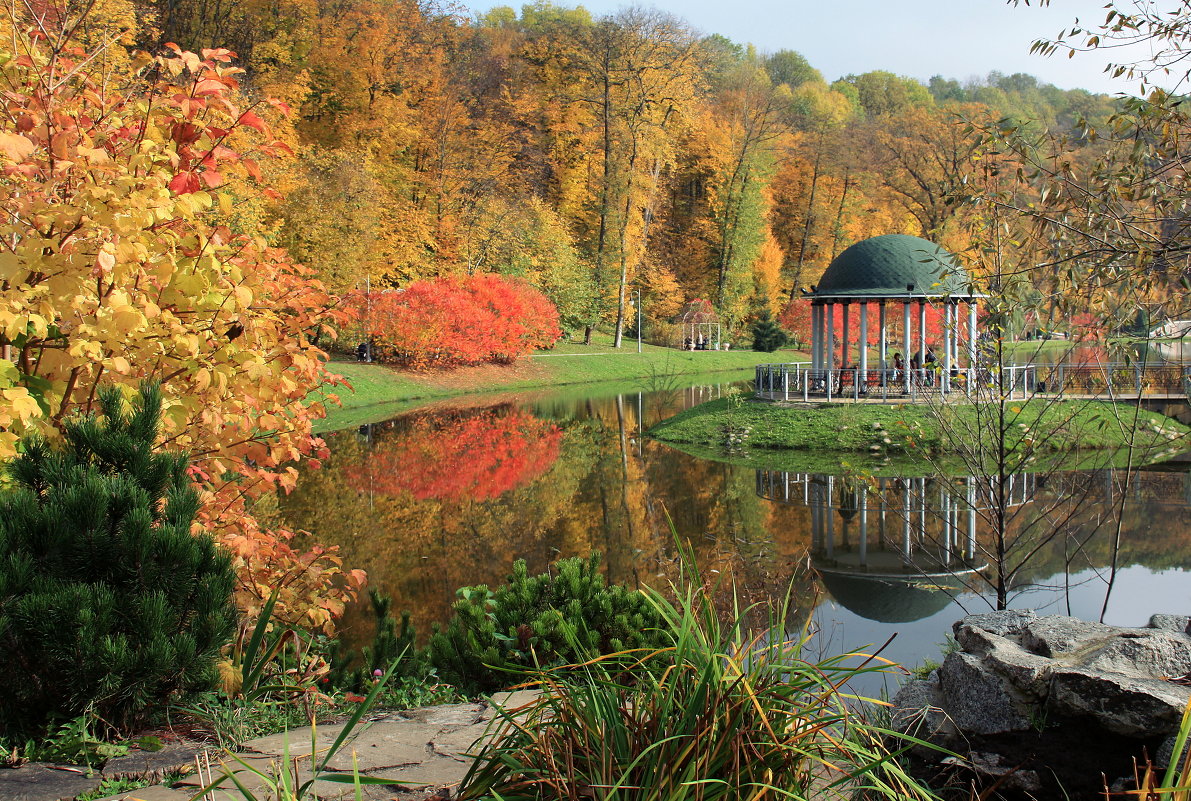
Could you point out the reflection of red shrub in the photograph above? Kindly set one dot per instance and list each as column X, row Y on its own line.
column 451, row 321
column 477, row 456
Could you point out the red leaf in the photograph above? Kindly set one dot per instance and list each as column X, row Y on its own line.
column 185, row 133
column 217, row 54
column 211, row 178
column 210, row 86
column 185, row 183
column 252, row 169
column 250, row 119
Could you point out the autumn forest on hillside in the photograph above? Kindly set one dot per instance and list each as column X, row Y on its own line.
column 590, row 155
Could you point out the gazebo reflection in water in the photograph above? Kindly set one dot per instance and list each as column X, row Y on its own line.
column 896, row 549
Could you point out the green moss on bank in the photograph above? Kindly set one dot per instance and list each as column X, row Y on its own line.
column 1051, row 425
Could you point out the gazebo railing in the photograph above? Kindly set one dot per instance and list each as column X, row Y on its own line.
column 799, row 381
column 1118, row 378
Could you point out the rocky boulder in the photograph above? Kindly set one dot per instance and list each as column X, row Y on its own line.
column 1056, row 699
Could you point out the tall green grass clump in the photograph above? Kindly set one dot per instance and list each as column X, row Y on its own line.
column 109, row 604
column 722, row 710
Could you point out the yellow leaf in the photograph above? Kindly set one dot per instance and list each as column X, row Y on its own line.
column 15, row 147
column 21, row 403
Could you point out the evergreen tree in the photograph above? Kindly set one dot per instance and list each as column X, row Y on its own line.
column 109, row 603
column 544, row 621
column 767, row 335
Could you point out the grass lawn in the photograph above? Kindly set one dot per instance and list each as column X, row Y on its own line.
column 1054, row 426
column 378, row 391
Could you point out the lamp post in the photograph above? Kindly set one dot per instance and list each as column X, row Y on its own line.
column 637, row 293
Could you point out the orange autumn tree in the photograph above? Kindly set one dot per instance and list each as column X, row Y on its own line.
column 116, row 266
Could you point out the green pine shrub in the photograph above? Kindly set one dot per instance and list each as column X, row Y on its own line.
column 109, row 604
column 539, row 621
column 767, row 335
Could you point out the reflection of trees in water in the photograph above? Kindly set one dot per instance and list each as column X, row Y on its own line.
column 607, row 490
column 898, row 549
column 477, row 455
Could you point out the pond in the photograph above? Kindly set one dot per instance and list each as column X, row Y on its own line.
column 451, row 495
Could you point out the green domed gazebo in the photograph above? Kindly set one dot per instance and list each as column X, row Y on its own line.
column 895, row 268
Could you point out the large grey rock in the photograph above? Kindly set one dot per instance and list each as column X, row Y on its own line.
column 1129, row 705
column 977, row 699
column 1148, row 653
column 1026, row 671
column 918, row 711
column 1057, row 636
column 1166, row 754
column 1003, row 624
column 1181, row 623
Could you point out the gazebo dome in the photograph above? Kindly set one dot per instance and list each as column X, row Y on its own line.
column 887, row 599
column 885, row 266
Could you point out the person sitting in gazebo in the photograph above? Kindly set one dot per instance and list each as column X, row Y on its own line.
column 898, row 365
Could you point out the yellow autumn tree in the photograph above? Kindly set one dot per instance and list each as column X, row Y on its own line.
column 117, row 266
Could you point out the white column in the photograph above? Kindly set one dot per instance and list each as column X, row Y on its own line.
column 864, row 527
column 948, row 339
column 907, row 541
column 828, row 507
column 955, row 333
column 909, row 332
column 922, row 333
column 971, row 333
column 971, row 482
column 863, row 343
column 830, row 341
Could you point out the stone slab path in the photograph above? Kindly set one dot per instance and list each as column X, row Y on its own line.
column 423, row 752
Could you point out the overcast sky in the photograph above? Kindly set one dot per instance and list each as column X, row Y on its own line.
column 920, row 38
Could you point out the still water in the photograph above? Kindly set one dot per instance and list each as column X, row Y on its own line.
column 451, row 495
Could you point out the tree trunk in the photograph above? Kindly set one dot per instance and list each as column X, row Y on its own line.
column 810, row 221
column 839, row 214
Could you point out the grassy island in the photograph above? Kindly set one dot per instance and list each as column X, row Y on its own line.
column 900, row 429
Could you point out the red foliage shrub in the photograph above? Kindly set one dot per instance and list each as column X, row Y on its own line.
column 454, row 321
column 474, row 456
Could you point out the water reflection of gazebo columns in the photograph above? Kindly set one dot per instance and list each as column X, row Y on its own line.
column 893, row 549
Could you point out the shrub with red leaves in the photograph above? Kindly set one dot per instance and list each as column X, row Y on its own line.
column 445, row 322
